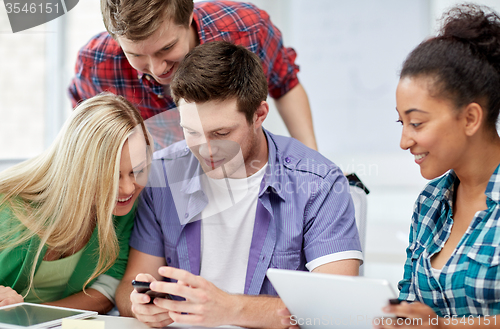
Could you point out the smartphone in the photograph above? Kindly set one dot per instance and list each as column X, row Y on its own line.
column 142, row 287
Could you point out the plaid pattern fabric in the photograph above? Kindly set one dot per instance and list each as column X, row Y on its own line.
column 469, row 283
column 102, row 66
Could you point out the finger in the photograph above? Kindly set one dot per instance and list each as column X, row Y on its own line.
column 160, row 324
column 182, row 283
column 180, row 275
column 414, row 311
column 284, row 312
column 195, row 295
column 178, row 306
column 157, row 322
column 172, row 288
column 9, row 301
column 138, row 298
column 145, row 277
column 149, row 310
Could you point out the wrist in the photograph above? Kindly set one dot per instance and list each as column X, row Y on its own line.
column 235, row 306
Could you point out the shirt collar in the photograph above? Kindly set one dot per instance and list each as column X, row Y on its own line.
column 493, row 187
column 274, row 173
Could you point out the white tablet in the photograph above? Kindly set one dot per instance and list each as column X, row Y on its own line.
column 319, row 300
column 27, row 315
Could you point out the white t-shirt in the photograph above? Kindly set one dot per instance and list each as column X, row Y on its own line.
column 227, row 224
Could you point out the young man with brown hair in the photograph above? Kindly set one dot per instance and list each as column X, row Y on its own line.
column 147, row 39
column 231, row 201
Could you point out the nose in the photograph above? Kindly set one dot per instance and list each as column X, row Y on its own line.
column 157, row 65
column 208, row 150
column 406, row 140
column 127, row 185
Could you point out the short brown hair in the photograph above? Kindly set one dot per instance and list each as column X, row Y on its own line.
column 137, row 20
column 218, row 71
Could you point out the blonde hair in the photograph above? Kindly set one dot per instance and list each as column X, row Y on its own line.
column 71, row 188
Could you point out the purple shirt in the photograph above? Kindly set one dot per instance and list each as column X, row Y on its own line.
column 304, row 211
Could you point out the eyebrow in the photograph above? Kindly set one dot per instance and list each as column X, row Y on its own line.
column 213, row 130
column 415, row 110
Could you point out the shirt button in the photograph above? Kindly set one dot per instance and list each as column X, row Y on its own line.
column 138, row 76
column 169, row 260
column 186, row 215
column 287, row 159
column 160, row 96
column 148, row 77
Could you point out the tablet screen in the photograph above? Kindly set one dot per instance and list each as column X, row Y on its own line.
column 25, row 315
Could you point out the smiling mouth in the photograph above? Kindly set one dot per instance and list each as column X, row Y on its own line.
column 125, row 199
column 419, row 157
column 167, row 74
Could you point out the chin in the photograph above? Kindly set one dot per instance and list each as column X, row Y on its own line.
column 431, row 175
column 122, row 211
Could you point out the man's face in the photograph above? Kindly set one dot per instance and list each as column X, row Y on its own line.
column 221, row 138
column 160, row 54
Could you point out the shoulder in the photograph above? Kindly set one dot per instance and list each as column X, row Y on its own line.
column 295, row 156
column 100, row 48
column 229, row 16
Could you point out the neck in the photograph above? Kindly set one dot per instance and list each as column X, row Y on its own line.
column 260, row 154
column 479, row 163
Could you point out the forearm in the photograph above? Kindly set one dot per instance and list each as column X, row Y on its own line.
column 295, row 111
column 92, row 301
column 123, row 302
column 256, row 311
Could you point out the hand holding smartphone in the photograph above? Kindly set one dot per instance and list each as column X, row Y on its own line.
column 142, row 287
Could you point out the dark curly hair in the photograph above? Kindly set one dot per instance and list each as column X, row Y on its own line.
column 463, row 60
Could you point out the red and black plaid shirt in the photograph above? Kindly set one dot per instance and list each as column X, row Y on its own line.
column 102, row 66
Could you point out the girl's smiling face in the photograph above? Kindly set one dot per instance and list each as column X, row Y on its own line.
column 433, row 129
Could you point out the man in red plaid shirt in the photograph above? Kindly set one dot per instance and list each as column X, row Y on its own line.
column 147, row 39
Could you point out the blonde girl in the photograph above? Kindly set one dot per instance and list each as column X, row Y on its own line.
column 66, row 215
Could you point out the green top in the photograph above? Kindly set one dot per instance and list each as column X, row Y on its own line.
column 51, row 279
column 16, row 263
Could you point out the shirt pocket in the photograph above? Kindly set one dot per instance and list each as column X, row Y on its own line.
column 482, row 280
column 288, row 260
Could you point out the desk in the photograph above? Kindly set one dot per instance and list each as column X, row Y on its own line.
column 119, row 322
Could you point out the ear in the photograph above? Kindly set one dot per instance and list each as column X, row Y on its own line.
column 473, row 115
column 191, row 18
column 260, row 115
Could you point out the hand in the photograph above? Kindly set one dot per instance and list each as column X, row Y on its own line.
column 205, row 304
column 9, row 296
column 410, row 315
column 150, row 314
column 286, row 319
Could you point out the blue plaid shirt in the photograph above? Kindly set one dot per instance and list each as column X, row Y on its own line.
column 470, row 281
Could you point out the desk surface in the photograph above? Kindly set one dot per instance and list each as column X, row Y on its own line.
column 112, row 322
